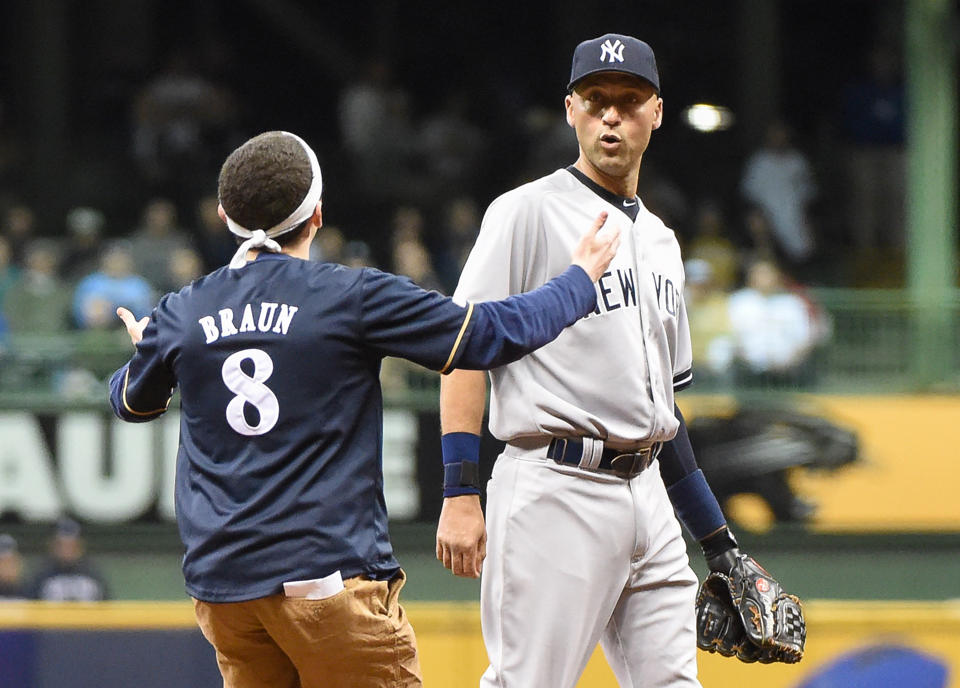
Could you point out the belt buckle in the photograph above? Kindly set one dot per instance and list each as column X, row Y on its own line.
column 632, row 464
column 624, row 465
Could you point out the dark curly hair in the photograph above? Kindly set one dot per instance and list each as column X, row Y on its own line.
column 265, row 180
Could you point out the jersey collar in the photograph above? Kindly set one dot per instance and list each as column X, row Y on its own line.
column 270, row 255
column 629, row 206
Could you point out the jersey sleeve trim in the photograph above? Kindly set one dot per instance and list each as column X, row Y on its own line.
column 683, row 380
column 456, row 344
column 155, row 412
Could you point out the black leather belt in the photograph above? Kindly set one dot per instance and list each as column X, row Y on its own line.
column 616, row 462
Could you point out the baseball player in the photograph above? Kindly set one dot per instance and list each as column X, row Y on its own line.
column 279, row 486
column 581, row 543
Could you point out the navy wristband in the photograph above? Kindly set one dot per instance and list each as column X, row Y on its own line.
column 696, row 506
column 461, row 463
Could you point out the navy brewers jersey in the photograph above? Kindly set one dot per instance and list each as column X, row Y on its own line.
column 279, row 472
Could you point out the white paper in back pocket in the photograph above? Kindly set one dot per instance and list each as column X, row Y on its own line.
column 316, row 588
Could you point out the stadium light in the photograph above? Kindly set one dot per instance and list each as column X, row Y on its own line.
column 708, row 118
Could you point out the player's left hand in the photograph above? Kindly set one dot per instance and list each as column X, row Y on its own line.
column 462, row 536
column 745, row 613
column 135, row 327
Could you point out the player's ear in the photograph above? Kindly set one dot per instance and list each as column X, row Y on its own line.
column 658, row 118
column 317, row 217
column 568, row 104
column 221, row 212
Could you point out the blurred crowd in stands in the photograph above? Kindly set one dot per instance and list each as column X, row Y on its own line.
column 64, row 573
column 405, row 191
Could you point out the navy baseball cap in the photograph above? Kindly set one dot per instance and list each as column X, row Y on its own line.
column 614, row 52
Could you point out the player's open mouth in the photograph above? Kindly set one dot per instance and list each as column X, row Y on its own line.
column 610, row 139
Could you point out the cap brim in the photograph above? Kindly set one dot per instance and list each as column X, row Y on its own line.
column 573, row 84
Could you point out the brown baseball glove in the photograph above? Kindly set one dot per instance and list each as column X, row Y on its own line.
column 748, row 615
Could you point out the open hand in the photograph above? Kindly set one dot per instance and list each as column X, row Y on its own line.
column 596, row 249
column 134, row 327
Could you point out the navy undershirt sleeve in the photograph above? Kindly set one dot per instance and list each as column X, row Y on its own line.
column 507, row 330
column 693, row 500
column 676, row 457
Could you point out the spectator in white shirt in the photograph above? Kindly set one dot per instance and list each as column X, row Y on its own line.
column 772, row 327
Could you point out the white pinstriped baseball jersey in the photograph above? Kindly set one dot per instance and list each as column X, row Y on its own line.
column 613, row 374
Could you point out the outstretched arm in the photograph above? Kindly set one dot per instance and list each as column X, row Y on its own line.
column 507, row 330
column 401, row 319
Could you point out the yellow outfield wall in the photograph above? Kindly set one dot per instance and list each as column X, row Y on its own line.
column 452, row 652
column 909, row 472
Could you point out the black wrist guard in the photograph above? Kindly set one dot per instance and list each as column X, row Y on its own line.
column 720, row 549
column 461, row 474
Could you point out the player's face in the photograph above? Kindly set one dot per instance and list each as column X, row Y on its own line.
column 614, row 115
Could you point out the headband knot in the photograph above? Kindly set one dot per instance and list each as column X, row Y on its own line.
column 257, row 239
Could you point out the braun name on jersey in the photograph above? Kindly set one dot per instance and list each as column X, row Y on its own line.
column 222, row 325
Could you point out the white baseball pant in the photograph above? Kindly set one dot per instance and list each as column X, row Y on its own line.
column 576, row 558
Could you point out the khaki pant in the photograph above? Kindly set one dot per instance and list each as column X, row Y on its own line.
column 358, row 638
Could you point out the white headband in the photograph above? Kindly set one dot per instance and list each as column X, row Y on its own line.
column 262, row 238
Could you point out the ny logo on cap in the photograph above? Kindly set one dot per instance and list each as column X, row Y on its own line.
column 614, row 50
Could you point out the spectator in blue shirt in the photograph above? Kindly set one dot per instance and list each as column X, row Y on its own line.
column 98, row 295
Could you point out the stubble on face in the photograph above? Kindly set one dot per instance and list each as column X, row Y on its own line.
column 614, row 116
